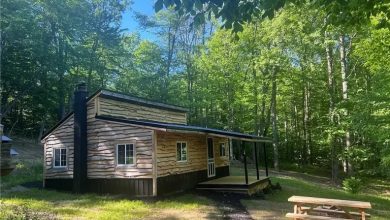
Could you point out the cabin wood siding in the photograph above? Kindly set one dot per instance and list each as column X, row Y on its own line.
column 103, row 136
column 167, row 163
column 139, row 112
column 62, row 136
column 221, row 161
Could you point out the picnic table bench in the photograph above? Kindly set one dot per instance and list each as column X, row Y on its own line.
column 322, row 208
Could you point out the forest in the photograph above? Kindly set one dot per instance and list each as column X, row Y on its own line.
column 312, row 78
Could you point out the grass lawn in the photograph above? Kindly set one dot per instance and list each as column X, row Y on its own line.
column 21, row 203
column 18, row 202
column 47, row 204
column 276, row 204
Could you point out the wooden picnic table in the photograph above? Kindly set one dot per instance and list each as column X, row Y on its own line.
column 329, row 208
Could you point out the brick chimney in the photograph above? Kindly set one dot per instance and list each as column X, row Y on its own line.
column 80, row 139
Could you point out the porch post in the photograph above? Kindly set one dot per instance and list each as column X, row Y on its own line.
column 245, row 165
column 257, row 162
column 265, row 159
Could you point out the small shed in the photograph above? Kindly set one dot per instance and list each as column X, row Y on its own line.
column 7, row 164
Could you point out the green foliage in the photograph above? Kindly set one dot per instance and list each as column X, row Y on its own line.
column 25, row 171
column 225, row 82
column 46, row 48
column 236, row 13
column 353, row 185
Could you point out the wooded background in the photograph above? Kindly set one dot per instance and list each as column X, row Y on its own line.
column 314, row 79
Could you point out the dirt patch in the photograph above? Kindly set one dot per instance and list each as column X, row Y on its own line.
column 171, row 213
column 229, row 204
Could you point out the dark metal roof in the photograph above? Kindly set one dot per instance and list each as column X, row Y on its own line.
column 140, row 101
column 5, row 139
column 13, row 152
column 184, row 128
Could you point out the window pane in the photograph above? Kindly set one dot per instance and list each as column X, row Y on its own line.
column 178, row 150
column 183, row 151
column 223, row 152
column 121, row 154
column 129, row 154
column 210, row 148
column 56, row 157
column 63, row 157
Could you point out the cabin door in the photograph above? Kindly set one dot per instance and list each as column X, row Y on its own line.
column 210, row 158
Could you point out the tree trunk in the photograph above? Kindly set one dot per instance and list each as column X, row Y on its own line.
column 264, row 116
column 61, row 83
column 331, row 96
column 171, row 47
column 344, row 78
column 275, row 135
column 305, row 150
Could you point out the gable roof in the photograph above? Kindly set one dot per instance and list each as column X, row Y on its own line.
column 185, row 128
column 105, row 93
column 64, row 119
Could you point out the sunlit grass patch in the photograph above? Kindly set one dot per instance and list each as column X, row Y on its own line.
column 90, row 206
column 69, row 205
column 292, row 186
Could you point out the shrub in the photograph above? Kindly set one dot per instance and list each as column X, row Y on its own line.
column 353, row 185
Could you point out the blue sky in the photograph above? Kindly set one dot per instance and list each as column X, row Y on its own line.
column 129, row 22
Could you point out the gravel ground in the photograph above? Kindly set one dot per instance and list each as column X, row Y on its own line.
column 229, row 204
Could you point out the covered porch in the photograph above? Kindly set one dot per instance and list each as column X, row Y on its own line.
column 243, row 183
column 236, row 184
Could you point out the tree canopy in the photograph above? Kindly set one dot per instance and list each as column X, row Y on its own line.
column 312, row 75
column 234, row 14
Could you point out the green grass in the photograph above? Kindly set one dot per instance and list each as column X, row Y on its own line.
column 48, row 204
column 295, row 186
column 308, row 169
column 25, row 171
column 91, row 206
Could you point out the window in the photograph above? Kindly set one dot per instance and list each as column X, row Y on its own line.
column 125, row 154
column 181, row 149
column 222, row 150
column 59, row 157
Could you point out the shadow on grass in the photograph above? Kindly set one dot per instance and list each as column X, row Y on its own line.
column 25, row 171
column 92, row 206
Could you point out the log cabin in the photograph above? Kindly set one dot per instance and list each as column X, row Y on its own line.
column 120, row 144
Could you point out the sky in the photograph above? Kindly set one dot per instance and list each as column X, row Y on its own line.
column 129, row 22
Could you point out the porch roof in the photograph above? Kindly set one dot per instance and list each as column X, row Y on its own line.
column 186, row 128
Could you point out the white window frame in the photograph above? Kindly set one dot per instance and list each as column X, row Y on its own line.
column 224, row 149
column 181, row 149
column 117, row 155
column 54, row 157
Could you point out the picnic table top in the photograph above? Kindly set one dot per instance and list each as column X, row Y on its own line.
column 325, row 201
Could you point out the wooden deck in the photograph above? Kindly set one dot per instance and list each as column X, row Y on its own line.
column 235, row 184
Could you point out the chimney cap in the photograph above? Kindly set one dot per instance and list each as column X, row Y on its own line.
column 82, row 86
